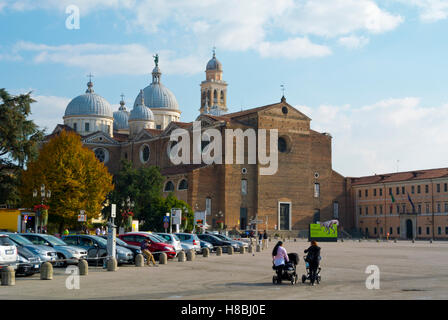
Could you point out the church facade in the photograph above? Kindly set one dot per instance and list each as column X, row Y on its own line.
column 304, row 188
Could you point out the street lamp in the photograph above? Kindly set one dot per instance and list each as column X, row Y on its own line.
column 127, row 206
column 41, row 212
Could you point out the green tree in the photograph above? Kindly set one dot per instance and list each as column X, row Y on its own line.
column 77, row 180
column 19, row 140
column 144, row 187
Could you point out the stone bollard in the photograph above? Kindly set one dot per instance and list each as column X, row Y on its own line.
column 205, row 252
column 360, row 240
column 230, row 250
column 242, row 250
column 342, row 240
column 413, row 241
column 430, row 241
column 295, row 240
column 258, row 248
column 83, row 267
column 218, row 251
column 139, row 260
column 181, row 256
column 46, row 271
column 191, row 255
column 377, row 240
column 251, row 249
column 163, row 258
column 395, row 240
column 8, row 276
column 112, row 264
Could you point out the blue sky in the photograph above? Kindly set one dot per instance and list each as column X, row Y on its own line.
column 372, row 73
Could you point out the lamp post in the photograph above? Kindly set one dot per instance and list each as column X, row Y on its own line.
column 221, row 223
column 41, row 223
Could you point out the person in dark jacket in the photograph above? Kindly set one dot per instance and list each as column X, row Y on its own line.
column 144, row 246
column 313, row 257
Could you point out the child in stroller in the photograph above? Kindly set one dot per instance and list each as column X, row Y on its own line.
column 307, row 276
column 289, row 270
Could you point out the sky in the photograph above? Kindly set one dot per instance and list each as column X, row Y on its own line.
column 371, row 73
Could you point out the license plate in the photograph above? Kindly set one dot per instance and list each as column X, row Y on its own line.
column 36, row 266
column 9, row 251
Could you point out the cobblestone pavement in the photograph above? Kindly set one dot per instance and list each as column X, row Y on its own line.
column 407, row 271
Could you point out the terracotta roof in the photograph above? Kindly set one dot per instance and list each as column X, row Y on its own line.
column 184, row 168
column 401, row 176
column 120, row 137
column 59, row 127
column 154, row 132
column 248, row 111
column 184, row 125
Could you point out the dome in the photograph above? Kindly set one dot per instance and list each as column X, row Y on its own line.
column 140, row 111
column 121, row 117
column 89, row 104
column 156, row 95
column 214, row 64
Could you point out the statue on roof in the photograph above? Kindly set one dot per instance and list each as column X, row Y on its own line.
column 156, row 59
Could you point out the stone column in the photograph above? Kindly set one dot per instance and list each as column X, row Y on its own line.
column 139, row 260
column 83, row 267
column 8, row 276
column 46, row 271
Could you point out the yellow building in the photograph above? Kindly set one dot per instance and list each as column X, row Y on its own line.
column 17, row 220
column 407, row 205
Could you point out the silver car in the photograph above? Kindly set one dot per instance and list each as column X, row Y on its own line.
column 172, row 239
column 190, row 239
column 45, row 253
column 70, row 254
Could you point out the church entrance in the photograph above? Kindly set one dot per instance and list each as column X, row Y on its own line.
column 409, row 229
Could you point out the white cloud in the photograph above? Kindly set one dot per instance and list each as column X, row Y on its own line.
column 353, row 42
column 48, row 111
column 370, row 139
column 240, row 25
column 430, row 10
column 293, row 48
column 103, row 59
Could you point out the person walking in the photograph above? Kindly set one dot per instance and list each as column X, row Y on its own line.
column 98, row 231
column 260, row 239
column 279, row 257
column 145, row 250
column 265, row 240
column 313, row 257
column 66, row 232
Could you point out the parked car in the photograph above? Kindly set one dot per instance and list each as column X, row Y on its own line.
column 97, row 248
column 190, row 239
column 205, row 244
column 64, row 251
column 156, row 245
column 28, row 262
column 135, row 249
column 8, row 252
column 45, row 253
column 172, row 239
column 217, row 242
column 225, row 238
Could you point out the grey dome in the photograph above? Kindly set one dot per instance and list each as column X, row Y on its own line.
column 214, row 64
column 156, row 95
column 121, row 118
column 140, row 111
column 89, row 104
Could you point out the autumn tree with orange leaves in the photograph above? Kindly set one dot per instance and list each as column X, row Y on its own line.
column 77, row 180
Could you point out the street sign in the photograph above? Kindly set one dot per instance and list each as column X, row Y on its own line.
column 177, row 216
column 256, row 221
column 166, row 219
column 113, row 212
column 25, row 217
column 82, row 217
column 165, row 225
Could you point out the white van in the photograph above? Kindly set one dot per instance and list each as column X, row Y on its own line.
column 8, row 252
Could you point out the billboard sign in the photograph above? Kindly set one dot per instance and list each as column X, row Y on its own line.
column 320, row 232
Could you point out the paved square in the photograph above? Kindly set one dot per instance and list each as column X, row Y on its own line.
column 407, row 271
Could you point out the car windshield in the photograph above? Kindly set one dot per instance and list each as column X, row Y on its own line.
column 4, row 241
column 158, row 238
column 100, row 240
column 54, row 241
column 20, row 240
column 175, row 237
column 120, row 242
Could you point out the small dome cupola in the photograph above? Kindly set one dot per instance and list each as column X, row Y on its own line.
column 121, row 117
column 213, row 63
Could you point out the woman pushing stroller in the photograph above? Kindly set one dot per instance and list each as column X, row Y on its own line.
column 313, row 257
column 279, row 257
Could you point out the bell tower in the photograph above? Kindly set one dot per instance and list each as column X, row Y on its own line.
column 213, row 89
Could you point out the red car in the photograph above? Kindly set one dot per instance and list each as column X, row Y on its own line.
column 156, row 244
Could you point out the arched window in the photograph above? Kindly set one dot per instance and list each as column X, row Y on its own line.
column 244, row 186
column 222, row 96
column 144, row 153
column 183, row 185
column 101, row 154
column 215, row 96
column 169, row 186
column 282, row 145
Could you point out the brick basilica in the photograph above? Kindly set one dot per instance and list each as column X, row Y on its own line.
column 304, row 189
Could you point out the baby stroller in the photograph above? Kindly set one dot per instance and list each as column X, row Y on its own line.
column 307, row 275
column 289, row 271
